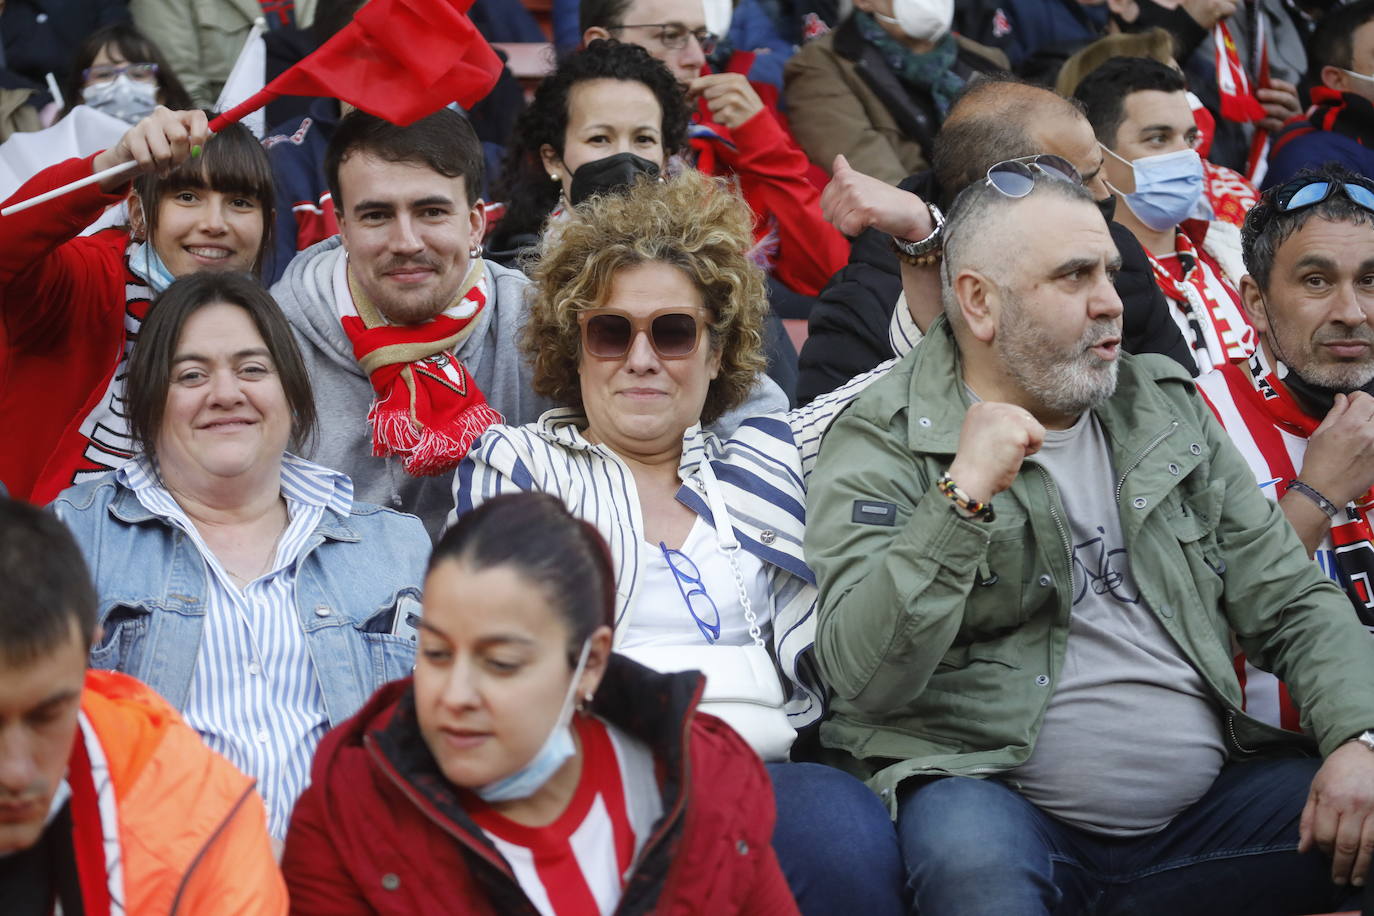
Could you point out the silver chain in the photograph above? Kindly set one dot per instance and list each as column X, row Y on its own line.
column 754, row 632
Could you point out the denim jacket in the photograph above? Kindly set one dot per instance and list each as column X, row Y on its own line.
column 358, row 582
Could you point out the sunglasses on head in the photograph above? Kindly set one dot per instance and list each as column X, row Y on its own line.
column 609, row 333
column 1308, row 192
column 1016, row 177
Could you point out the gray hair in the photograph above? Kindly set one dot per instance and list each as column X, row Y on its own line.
column 974, row 223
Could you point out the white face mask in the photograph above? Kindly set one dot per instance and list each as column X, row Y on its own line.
column 127, row 99
column 922, row 20
column 1358, row 76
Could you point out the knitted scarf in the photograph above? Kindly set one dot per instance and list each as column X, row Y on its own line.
column 1234, row 335
column 931, row 72
column 428, row 410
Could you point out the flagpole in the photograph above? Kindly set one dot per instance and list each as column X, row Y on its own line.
column 113, row 171
column 232, row 116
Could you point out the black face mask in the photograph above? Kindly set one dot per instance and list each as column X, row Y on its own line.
column 1108, row 207
column 609, row 176
column 1317, row 400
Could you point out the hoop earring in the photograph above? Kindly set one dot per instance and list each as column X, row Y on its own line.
column 475, row 251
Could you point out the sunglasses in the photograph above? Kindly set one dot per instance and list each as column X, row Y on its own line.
column 1308, row 192
column 1016, row 177
column 609, row 333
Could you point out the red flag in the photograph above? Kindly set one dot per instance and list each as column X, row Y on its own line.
column 398, row 59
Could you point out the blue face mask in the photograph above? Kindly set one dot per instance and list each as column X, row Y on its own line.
column 145, row 262
column 558, row 747
column 1168, row 189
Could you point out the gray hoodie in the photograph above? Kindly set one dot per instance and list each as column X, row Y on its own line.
column 343, row 393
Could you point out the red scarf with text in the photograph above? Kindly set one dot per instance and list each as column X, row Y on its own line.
column 428, row 409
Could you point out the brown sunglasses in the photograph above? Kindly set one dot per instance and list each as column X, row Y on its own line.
column 609, row 333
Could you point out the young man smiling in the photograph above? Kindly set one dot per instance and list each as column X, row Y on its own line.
column 400, row 320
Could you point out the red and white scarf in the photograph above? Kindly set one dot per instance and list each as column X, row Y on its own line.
column 428, row 410
column 1217, row 330
column 1271, row 430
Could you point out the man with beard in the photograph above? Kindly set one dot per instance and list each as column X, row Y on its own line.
column 1031, row 551
column 1300, row 410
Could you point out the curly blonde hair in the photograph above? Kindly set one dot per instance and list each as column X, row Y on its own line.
column 693, row 222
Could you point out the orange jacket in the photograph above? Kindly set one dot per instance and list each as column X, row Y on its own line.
column 192, row 832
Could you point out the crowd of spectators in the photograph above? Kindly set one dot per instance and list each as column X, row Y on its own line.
column 440, row 516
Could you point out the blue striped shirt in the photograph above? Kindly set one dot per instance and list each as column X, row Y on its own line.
column 254, row 696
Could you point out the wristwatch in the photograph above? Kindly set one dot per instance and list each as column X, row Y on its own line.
column 1366, row 738
column 927, row 251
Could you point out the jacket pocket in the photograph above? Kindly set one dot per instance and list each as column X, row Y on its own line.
column 996, row 600
column 389, row 635
column 123, row 627
column 1192, row 519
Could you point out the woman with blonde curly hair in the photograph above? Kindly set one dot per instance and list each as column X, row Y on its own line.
column 645, row 326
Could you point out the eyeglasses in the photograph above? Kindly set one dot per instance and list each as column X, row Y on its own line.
column 1016, row 177
column 609, row 333
column 674, row 35
column 1308, row 192
column 105, row 73
column 684, row 570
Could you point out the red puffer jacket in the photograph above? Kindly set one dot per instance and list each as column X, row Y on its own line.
column 380, row 830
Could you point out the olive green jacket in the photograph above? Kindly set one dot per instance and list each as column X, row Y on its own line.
column 942, row 638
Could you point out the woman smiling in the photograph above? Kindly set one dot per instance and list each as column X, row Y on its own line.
column 76, row 302
column 242, row 583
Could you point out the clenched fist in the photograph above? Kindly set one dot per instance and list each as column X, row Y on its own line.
column 993, row 441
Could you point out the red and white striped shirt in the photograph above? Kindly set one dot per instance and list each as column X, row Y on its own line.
column 1242, row 395
column 578, row 864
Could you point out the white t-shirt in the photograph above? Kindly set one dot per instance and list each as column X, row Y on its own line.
column 661, row 616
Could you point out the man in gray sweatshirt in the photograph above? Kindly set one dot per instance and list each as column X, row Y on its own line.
column 408, row 334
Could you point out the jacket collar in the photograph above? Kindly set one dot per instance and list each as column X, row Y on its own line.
column 126, row 507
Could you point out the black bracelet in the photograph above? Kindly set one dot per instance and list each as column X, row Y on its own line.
column 1322, row 502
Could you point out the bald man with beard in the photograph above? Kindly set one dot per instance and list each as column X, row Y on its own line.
column 854, row 323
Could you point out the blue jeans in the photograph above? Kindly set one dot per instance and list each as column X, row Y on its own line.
column 835, row 842
column 977, row 847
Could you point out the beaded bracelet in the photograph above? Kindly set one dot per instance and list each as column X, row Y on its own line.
column 979, row 510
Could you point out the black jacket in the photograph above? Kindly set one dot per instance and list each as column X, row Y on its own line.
column 849, row 323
